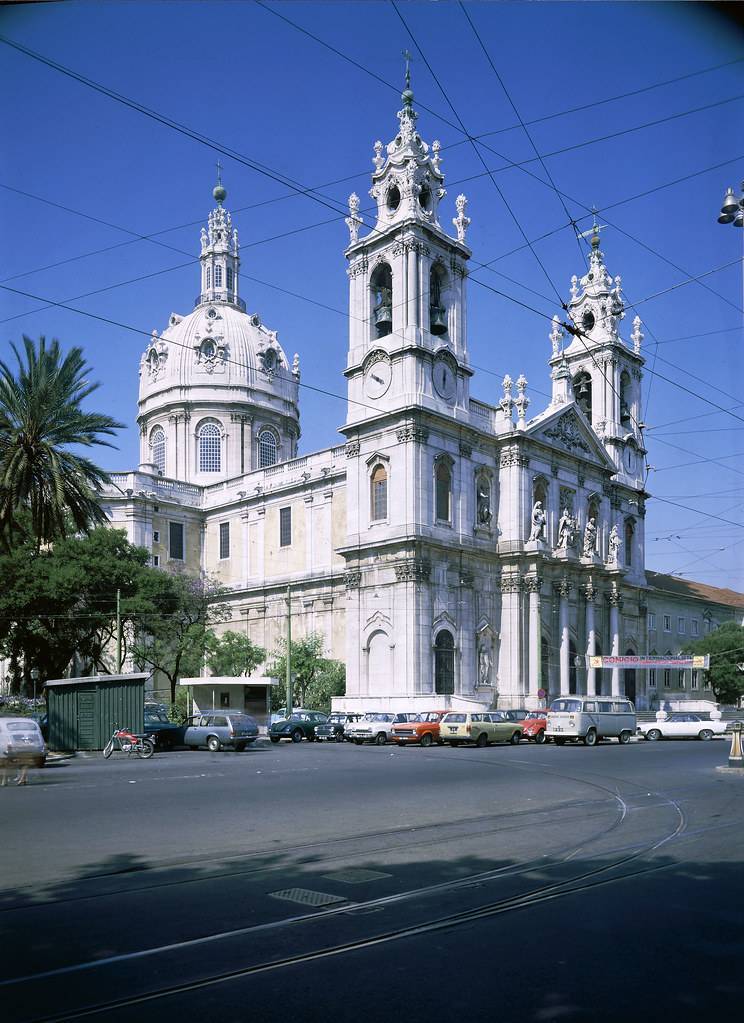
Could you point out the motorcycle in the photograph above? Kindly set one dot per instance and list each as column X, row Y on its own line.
column 129, row 743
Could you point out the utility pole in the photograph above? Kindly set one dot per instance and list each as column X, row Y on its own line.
column 118, row 632
column 289, row 651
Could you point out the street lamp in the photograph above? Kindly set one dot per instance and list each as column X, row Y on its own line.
column 34, row 679
column 732, row 209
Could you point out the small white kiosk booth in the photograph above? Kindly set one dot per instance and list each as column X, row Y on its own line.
column 248, row 693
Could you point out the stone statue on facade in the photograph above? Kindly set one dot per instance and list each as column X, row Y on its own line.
column 484, row 665
column 538, row 522
column 590, row 538
column 484, row 502
column 566, row 530
column 614, row 543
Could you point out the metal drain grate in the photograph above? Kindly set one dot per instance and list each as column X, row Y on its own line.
column 305, row 897
column 356, row 875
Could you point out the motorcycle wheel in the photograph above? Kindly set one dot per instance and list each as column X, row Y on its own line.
column 108, row 749
column 145, row 749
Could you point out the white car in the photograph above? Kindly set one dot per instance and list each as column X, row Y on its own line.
column 21, row 743
column 376, row 727
column 681, row 726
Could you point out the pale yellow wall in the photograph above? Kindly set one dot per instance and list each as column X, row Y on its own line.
column 279, row 561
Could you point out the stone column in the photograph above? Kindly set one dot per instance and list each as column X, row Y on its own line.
column 591, row 639
column 615, row 603
column 564, row 589
column 245, row 542
column 532, row 585
column 511, row 652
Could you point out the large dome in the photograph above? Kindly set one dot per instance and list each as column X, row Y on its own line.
column 217, row 395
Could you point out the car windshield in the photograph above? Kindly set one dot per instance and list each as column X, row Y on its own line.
column 456, row 718
column 21, row 726
column 534, row 715
column 566, row 706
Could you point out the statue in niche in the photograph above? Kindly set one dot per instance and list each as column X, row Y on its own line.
column 484, row 665
column 590, row 538
column 484, row 502
column 566, row 530
column 614, row 544
column 538, row 522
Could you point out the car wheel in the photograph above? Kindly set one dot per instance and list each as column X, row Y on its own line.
column 624, row 738
column 540, row 737
column 358, row 742
column 426, row 740
column 559, row 741
column 590, row 739
column 453, row 744
column 482, row 740
column 705, row 734
column 380, row 739
column 340, row 737
column 213, row 744
column 653, row 735
column 297, row 735
column 515, row 739
column 274, row 739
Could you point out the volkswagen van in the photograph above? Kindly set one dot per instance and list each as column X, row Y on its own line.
column 589, row 719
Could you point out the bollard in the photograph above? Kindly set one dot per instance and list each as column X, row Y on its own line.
column 736, row 759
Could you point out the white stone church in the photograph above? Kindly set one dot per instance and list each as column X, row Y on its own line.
column 451, row 553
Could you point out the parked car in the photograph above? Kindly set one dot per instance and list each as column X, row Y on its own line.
column 590, row 718
column 165, row 733
column 216, row 729
column 333, row 729
column 281, row 714
column 681, row 726
column 422, row 729
column 21, row 743
column 517, row 714
column 376, row 726
column 534, row 725
column 299, row 725
column 459, row 727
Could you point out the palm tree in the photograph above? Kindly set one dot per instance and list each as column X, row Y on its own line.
column 41, row 481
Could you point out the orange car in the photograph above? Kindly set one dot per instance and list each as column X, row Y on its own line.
column 422, row 729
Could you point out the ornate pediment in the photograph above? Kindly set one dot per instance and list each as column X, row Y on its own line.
column 569, row 431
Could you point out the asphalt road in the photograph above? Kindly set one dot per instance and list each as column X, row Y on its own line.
column 306, row 881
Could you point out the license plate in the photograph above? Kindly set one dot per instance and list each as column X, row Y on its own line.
column 558, row 728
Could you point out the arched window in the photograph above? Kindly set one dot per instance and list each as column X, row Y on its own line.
column 625, row 398
column 444, row 664
column 218, row 275
column 266, row 449
column 582, row 387
column 209, row 277
column 157, row 449
column 229, row 278
column 629, row 531
column 382, row 300
column 209, row 448
column 437, row 308
column 443, row 491
column 378, row 493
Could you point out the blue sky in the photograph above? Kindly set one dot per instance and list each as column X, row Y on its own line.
column 242, row 76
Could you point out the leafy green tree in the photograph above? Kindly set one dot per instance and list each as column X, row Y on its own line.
column 314, row 675
column 232, row 653
column 41, row 417
column 173, row 616
column 726, row 648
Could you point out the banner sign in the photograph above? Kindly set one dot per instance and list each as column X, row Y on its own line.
column 696, row 663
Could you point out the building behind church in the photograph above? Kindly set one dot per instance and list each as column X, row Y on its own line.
column 450, row 552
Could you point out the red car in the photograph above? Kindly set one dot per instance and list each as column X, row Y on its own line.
column 423, row 729
column 533, row 726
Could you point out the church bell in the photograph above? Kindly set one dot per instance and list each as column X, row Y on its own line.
column 438, row 319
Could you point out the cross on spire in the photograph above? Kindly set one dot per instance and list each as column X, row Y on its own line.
column 219, row 173
column 408, row 58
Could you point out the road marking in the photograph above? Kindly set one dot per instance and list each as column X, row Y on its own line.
column 306, row 897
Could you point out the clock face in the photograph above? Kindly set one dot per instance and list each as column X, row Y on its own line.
column 445, row 379
column 377, row 379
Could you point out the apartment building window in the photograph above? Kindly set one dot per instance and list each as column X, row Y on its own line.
column 285, row 527
column 156, row 560
column 667, row 623
column 694, row 627
column 224, row 540
column 695, row 683
column 651, row 622
column 681, row 626
column 156, row 536
column 667, row 678
column 175, row 541
column 652, row 678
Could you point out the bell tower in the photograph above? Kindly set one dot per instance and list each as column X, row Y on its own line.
column 407, row 323
column 605, row 373
column 220, row 254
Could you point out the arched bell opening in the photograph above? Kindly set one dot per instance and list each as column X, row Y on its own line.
column 437, row 307
column 382, row 300
column 582, row 388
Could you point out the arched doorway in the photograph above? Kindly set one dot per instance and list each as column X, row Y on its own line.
column 630, row 678
column 444, row 664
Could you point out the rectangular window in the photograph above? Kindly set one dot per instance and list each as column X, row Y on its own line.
column 156, row 560
column 694, row 627
column 667, row 678
column 175, row 541
column 651, row 622
column 681, row 626
column 681, row 679
column 652, row 679
column 667, row 623
column 695, row 684
column 224, row 540
column 285, row 527
column 156, row 536
column 218, row 276
column 229, row 278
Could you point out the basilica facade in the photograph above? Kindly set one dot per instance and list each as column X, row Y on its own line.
column 450, row 552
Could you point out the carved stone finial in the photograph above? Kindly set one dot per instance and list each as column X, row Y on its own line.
column 507, row 384
column 353, row 221
column 637, row 336
column 574, row 286
column 556, row 335
column 296, row 365
column 378, row 158
column 435, row 157
column 461, row 221
column 521, row 401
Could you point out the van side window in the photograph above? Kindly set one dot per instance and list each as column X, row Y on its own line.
column 605, row 707
column 590, row 707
